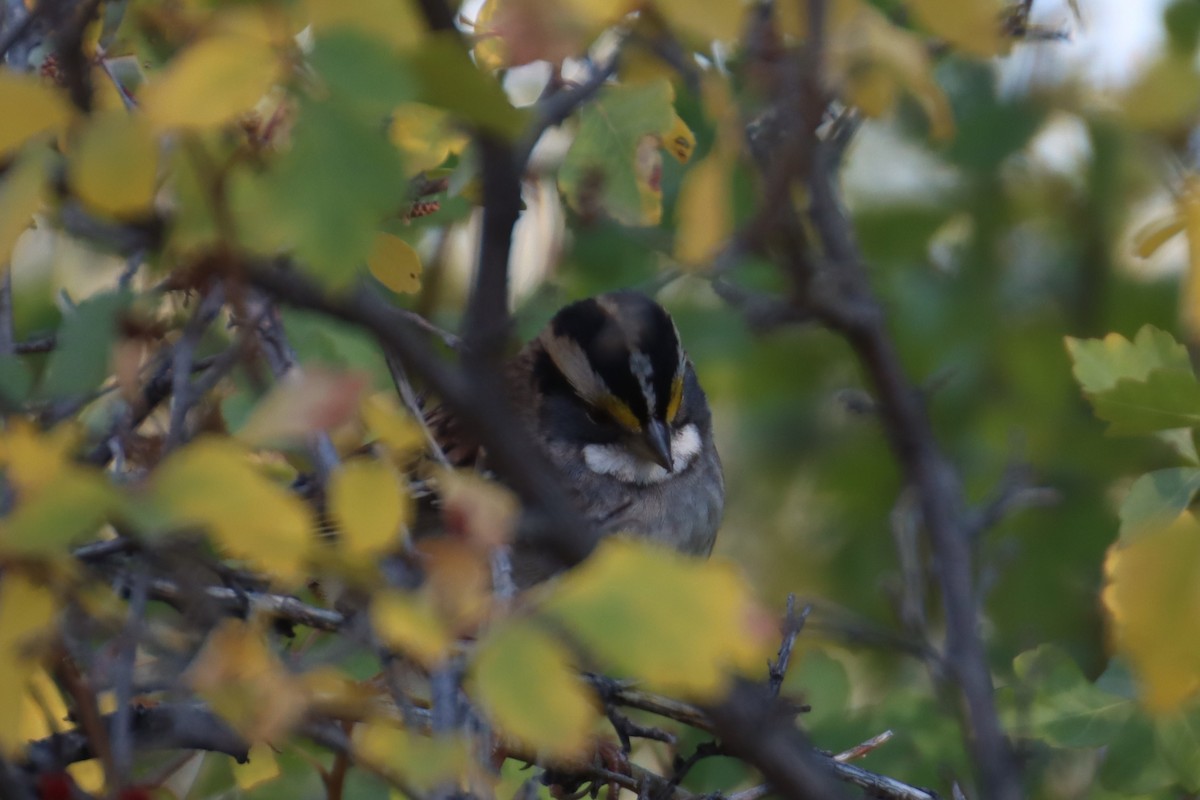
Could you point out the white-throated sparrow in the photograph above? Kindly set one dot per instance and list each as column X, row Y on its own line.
column 612, row 400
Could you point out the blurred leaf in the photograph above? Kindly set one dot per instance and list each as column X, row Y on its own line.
column 399, row 23
column 16, row 381
column 361, row 68
column 245, row 682
column 27, row 611
column 254, row 520
column 822, row 681
column 1165, row 95
column 972, row 26
column 31, row 108
column 259, row 768
column 1099, row 363
column 1066, row 709
column 1152, row 598
column 704, row 213
column 453, row 82
column 1164, row 400
column 530, row 689
column 426, row 135
column 1155, row 233
column 602, row 167
column 395, row 264
column 80, row 360
column 680, row 624
column 707, row 20
column 480, row 511
column 1178, row 738
column 1157, row 499
column 369, row 506
column 1133, row 763
column 325, row 197
column 20, row 196
column 305, row 401
column 211, row 83
column 1189, row 206
column 114, row 165
column 422, row 761
column 410, row 624
column 46, row 522
column 392, row 426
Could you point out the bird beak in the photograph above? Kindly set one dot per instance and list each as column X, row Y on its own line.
column 658, row 437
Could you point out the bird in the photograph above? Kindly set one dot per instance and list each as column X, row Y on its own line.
column 608, row 394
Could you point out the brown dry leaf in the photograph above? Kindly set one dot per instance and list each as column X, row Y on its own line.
column 458, row 582
column 481, row 511
column 306, row 401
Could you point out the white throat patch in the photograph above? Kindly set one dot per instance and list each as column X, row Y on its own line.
column 626, row 466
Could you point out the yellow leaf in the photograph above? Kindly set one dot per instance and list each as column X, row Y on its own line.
column 1153, row 601
column 399, row 23
column 114, row 165
column 489, row 47
column 679, row 140
column 1154, row 234
column 422, row 761
column 426, row 135
column 260, row 767
column 30, row 107
column 704, row 211
column 721, row 20
column 410, row 625
column 395, row 264
column 33, row 460
column 1189, row 202
column 46, row 522
column 306, row 401
column 27, row 613
column 20, row 197
column 245, row 683
column 1165, row 96
column 211, row 83
column 390, row 425
column 972, row 26
column 871, row 56
column 531, row 690
column 682, row 625
column 366, row 500
column 211, row 484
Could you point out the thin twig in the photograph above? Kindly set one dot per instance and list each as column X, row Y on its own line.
column 793, row 623
column 122, row 727
column 183, row 398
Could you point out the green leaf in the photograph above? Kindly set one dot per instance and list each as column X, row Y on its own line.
column 1099, row 364
column 363, row 70
column 452, row 81
column 1166, row 399
column 80, row 361
column 325, row 197
column 1157, row 498
column 1178, row 737
column 1133, row 763
column 1067, row 710
column 15, row 382
column 602, row 162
